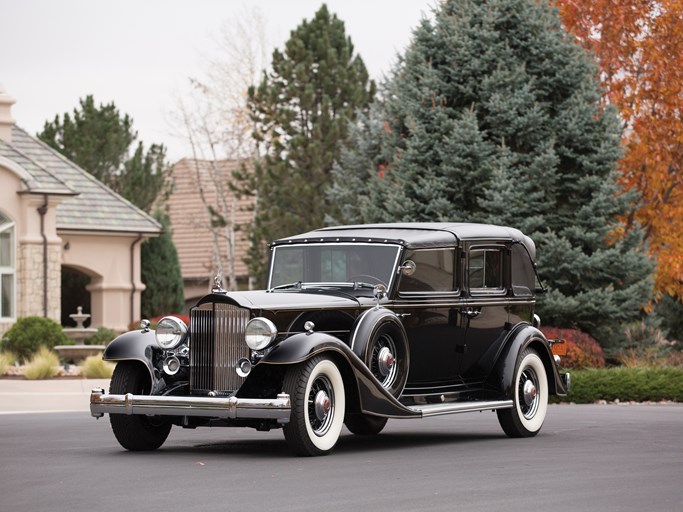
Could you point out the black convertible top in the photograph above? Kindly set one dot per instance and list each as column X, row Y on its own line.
column 413, row 235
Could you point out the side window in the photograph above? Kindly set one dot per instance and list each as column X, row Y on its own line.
column 434, row 270
column 486, row 270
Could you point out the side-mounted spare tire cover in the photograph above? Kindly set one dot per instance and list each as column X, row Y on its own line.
column 379, row 339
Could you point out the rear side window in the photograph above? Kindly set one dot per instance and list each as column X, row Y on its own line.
column 486, row 270
column 434, row 270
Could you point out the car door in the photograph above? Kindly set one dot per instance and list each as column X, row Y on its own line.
column 484, row 314
column 428, row 301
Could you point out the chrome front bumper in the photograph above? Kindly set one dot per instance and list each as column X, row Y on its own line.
column 229, row 408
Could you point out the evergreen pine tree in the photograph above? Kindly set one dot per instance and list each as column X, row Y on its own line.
column 99, row 139
column 300, row 111
column 493, row 115
column 161, row 273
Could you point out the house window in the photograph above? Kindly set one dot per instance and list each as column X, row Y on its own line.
column 6, row 267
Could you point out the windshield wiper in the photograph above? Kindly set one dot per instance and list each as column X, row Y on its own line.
column 296, row 285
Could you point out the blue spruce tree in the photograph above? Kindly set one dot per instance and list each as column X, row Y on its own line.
column 493, row 115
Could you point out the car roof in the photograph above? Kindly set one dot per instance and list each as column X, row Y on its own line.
column 412, row 235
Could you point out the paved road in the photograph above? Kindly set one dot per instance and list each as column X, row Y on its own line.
column 587, row 458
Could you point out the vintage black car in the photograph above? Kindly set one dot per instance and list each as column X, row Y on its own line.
column 358, row 324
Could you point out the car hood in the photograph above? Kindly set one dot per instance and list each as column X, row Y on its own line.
column 293, row 299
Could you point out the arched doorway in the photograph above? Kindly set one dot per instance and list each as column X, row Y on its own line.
column 74, row 294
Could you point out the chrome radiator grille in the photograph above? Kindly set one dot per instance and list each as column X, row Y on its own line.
column 216, row 344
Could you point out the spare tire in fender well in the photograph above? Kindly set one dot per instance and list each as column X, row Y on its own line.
column 379, row 339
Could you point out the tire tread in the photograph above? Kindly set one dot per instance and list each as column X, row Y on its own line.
column 134, row 432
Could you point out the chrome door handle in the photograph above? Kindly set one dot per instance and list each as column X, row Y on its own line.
column 471, row 312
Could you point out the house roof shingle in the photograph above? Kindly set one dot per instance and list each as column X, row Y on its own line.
column 191, row 222
column 95, row 208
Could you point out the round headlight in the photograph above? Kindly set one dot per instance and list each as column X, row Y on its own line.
column 260, row 333
column 170, row 332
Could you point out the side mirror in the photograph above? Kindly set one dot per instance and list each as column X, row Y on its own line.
column 408, row 268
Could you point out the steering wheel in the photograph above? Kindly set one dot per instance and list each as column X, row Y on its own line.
column 363, row 277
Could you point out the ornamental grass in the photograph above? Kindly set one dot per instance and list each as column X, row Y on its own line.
column 43, row 365
column 7, row 359
column 94, row 367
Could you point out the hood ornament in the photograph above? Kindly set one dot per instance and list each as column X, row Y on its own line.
column 379, row 292
column 217, row 286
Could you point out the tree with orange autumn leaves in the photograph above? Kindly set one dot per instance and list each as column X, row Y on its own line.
column 638, row 45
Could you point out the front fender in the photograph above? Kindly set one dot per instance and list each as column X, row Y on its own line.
column 372, row 397
column 133, row 346
column 522, row 337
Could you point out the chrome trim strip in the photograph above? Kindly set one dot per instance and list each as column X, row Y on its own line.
column 458, row 407
column 229, row 408
column 458, row 304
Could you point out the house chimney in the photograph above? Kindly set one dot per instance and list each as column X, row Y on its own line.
column 6, row 120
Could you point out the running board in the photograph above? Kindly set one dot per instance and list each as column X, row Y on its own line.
column 427, row 410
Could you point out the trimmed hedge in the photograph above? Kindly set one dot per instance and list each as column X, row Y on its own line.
column 30, row 333
column 626, row 385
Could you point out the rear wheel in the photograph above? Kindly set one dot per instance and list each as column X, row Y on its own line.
column 316, row 391
column 530, row 398
column 136, row 432
column 364, row 424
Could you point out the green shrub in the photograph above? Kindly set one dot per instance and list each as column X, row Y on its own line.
column 32, row 332
column 102, row 337
column 94, row 367
column 43, row 365
column 627, row 384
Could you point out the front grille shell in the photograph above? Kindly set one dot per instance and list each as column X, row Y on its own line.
column 216, row 345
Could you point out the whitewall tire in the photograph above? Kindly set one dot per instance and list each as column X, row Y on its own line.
column 316, row 391
column 530, row 397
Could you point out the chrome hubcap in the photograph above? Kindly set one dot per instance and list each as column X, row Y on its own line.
column 528, row 393
column 385, row 361
column 322, row 405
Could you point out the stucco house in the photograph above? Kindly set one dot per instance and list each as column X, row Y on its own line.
column 55, row 217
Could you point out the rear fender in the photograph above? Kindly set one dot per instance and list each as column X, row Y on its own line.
column 372, row 397
column 522, row 337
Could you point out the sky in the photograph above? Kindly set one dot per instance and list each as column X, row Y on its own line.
column 140, row 54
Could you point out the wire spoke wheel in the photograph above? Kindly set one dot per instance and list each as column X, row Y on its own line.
column 527, row 390
column 321, row 405
column 383, row 360
column 380, row 340
column 530, row 397
column 316, row 392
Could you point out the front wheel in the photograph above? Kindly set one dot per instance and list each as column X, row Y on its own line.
column 136, row 432
column 530, row 398
column 316, row 391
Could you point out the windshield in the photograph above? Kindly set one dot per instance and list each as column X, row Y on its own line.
column 333, row 264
